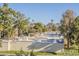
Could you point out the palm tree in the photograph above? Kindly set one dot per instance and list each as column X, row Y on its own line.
column 1, row 29
column 66, row 23
column 76, row 31
column 10, row 35
column 21, row 23
column 6, row 19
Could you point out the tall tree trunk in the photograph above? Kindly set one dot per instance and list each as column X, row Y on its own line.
column 78, row 48
column 0, row 34
column 65, row 42
column 68, row 41
column 19, row 32
column 9, row 44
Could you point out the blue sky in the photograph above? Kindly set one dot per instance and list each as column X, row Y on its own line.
column 45, row 12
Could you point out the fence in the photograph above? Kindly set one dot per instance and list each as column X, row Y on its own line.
column 24, row 45
column 15, row 45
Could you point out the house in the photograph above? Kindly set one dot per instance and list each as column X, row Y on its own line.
column 53, row 42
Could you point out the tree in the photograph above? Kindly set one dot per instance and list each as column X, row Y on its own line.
column 7, row 16
column 51, row 26
column 21, row 23
column 39, row 27
column 1, row 29
column 66, row 23
column 76, row 31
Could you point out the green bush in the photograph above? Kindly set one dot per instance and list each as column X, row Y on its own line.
column 32, row 53
column 21, row 53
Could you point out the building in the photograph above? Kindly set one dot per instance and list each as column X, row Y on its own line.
column 53, row 42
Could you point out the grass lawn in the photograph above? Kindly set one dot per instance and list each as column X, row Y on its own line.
column 67, row 52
